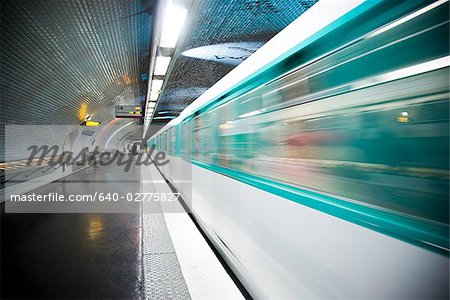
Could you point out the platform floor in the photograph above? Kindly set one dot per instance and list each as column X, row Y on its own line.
column 147, row 253
column 72, row 256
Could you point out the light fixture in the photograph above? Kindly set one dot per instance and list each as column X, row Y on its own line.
column 156, row 85
column 171, row 16
column 161, row 65
column 93, row 123
column 173, row 22
column 154, row 96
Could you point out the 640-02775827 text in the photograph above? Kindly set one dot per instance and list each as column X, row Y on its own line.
column 96, row 197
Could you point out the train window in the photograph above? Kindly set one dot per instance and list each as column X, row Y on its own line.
column 366, row 156
column 173, row 141
column 295, row 87
column 201, row 140
column 249, row 106
column 187, row 128
column 168, row 143
column 272, row 98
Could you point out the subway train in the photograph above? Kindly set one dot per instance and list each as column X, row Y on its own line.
column 319, row 167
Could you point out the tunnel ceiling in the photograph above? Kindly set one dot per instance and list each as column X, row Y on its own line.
column 63, row 59
column 220, row 35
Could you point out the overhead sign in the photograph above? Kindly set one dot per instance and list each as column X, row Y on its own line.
column 128, row 111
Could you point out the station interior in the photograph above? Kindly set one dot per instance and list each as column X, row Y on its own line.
column 210, row 149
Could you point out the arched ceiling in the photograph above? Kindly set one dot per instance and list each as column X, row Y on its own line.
column 63, row 59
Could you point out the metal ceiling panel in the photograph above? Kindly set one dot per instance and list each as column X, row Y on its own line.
column 62, row 58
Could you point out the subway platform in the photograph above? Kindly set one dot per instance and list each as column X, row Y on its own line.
column 146, row 253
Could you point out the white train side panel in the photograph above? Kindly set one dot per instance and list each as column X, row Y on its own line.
column 281, row 249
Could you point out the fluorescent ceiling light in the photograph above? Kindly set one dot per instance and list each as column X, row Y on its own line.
column 161, row 65
column 173, row 22
column 156, row 85
column 154, row 96
column 151, row 104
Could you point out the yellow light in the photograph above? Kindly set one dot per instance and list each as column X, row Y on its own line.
column 126, row 79
column 95, row 229
column 137, row 108
column 93, row 123
column 402, row 119
column 82, row 111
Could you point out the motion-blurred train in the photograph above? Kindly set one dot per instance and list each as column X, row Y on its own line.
column 320, row 165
